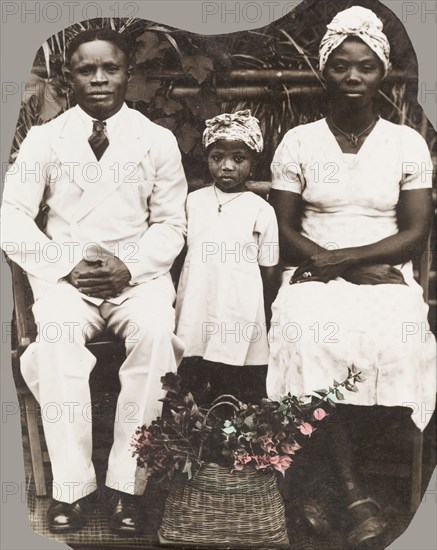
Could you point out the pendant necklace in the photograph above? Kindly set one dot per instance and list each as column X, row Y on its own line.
column 221, row 204
column 352, row 137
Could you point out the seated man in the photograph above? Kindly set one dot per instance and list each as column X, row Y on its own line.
column 116, row 191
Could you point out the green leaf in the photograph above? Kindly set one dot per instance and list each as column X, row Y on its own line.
column 339, row 395
column 49, row 102
column 174, row 44
column 198, row 66
column 187, row 136
column 204, row 105
column 198, row 151
column 149, row 47
column 169, row 106
column 228, row 431
column 187, row 468
column 351, row 387
column 249, row 421
column 140, row 89
column 166, row 122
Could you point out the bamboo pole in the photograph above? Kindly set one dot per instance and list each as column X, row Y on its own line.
column 246, row 92
column 301, row 75
column 268, row 76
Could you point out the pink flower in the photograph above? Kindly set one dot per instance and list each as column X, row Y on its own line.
column 266, row 443
column 319, row 414
column 280, row 462
column 140, row 439
column 290, row 448
column 262, row 461
column 135, row 440
column 241, row 459
column 306, row 429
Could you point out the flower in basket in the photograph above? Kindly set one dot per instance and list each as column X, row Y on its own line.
column 262, row 436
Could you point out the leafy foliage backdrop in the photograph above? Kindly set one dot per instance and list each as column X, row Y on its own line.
column 180, row 79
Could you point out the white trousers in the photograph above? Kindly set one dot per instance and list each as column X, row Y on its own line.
column 57, row 366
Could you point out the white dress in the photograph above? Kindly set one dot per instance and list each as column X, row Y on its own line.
column 319, row 329
column 220, row 304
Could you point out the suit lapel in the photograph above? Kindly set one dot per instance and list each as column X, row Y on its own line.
column 98, row 180
column 73, row 150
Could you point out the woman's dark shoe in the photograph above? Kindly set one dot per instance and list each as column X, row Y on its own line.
column 368, row 531
column 316, row 518
column 123, row 513
column 63, row 517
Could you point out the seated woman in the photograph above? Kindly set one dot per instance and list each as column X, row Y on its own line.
column 352, row 193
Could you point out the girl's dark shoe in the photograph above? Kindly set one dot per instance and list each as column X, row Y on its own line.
column 315, row 517
column 367, row 533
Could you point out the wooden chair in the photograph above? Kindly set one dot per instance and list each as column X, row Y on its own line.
column 416, row 472
column 107, row 349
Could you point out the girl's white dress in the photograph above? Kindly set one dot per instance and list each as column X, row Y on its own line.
column 220, row 304
column 319, row 329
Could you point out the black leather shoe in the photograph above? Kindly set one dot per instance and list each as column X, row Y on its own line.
column 63, row 517
column 316, row 517
column 122, row 510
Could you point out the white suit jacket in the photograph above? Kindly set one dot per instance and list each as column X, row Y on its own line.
column 131, row 202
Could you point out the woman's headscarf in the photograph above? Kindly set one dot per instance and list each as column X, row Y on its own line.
column 360, row 22
column 239, row 126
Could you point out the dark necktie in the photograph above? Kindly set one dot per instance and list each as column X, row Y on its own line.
column 98, row 139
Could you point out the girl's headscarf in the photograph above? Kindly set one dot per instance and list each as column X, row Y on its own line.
column 239, row 126
column 360, row 22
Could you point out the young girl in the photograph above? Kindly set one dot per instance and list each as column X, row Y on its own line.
column 227, row 284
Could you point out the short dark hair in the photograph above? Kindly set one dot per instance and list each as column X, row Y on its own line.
column 109, row 35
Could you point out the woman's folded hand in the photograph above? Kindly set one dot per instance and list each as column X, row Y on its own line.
column 331, row 264
column 376, row 274
column 323, row 267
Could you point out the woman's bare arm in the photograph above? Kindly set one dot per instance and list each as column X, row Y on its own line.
column 271, row 282
column 414, row 213
column 294, row 247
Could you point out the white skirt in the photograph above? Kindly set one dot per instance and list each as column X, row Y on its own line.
column 319, row 329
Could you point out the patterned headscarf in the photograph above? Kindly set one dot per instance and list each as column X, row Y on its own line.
column 360, row 22
column 239, row 126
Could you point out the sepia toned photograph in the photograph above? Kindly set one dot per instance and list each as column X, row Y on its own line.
column 223, row 279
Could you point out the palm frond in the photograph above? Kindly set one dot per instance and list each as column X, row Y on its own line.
column 304, row 55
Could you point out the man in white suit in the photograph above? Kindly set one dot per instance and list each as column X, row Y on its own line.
column 115, row 188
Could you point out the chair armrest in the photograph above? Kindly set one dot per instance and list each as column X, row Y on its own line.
column 425, row 269
column 23, row 301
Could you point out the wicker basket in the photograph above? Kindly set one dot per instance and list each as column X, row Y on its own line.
column 222, row 509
